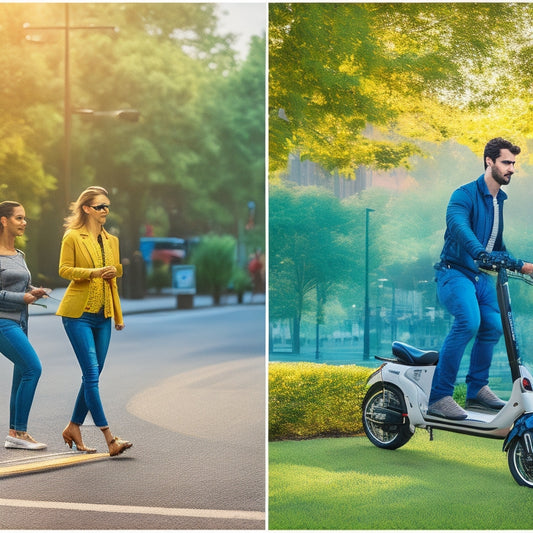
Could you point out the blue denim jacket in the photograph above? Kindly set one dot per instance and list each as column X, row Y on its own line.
column 469, row 220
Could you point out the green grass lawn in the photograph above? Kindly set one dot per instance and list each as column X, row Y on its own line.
column 453, row 482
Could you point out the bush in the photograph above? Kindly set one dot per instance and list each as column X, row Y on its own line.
column 214, row 259
column 160, row 276
column 315, row 400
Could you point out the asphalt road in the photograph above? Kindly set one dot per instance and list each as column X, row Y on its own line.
column 188, row 389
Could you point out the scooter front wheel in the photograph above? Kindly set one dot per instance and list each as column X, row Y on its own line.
column 384, row 420
column 520, row 459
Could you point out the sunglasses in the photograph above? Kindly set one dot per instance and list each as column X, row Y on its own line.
column 100, row 207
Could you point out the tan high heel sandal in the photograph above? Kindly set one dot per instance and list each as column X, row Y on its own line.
column 115, row 444
column 72, row 434
column 118, row 446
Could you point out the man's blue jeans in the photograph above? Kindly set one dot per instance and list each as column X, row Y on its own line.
column 89, row 335
column 14, row 344
column 474, row 306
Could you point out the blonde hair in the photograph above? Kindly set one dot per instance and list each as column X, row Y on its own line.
column 78, row 217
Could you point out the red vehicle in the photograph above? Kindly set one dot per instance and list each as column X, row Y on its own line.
column 168, row 250
column 169, row 253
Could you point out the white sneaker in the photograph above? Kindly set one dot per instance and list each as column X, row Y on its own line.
column 29, row 443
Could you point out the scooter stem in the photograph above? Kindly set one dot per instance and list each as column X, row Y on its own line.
column 504, row 301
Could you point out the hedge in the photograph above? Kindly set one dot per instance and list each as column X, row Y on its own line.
column 315, row 400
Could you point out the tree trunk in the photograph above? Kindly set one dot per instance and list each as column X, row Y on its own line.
column 295, row 337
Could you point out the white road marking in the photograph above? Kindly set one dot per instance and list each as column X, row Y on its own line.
column 130, row 509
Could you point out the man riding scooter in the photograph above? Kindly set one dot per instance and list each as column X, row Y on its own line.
column 474, row 228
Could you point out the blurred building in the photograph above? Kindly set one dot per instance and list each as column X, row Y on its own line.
column 307, row 173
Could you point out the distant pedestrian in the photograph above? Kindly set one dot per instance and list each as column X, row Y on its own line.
column 16, row 292
column 256, row 268
column 90, row 260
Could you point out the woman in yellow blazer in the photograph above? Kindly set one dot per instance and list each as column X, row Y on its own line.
column 90, row 259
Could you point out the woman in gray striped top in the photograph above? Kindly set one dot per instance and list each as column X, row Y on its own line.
column 16, row 292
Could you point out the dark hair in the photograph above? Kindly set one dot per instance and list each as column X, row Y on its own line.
column 493, row 147
column 6, row 210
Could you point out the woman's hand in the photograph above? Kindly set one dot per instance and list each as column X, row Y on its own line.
column 29, row 298
column 107, row 272
column 119, row 327
column 35, row 294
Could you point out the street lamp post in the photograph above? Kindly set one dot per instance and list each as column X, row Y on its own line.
column 67, row 28
column 366, row 346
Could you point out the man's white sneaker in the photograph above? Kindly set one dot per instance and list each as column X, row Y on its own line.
column 27, row 443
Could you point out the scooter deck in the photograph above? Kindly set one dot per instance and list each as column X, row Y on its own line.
column 477, row 423
column 473, row 416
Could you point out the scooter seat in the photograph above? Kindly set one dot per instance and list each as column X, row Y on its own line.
column 410, row 355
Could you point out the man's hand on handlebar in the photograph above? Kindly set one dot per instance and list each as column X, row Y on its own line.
column 498, row 260
column 527, row 269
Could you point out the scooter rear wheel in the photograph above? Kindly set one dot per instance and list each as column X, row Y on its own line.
column 383, row 417
column 520, row 459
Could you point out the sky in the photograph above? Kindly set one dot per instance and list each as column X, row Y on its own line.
column 243, row 19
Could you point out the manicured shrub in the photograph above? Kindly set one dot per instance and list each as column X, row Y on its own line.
column 214, row 258
column 315, row 400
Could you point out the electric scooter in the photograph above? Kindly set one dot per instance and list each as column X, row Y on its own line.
column 397, row 401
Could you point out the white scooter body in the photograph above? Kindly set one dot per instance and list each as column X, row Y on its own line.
column 415, row 384
column 397, row 398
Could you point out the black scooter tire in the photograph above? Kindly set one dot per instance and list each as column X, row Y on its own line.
column 380, row 432
column 520, row 462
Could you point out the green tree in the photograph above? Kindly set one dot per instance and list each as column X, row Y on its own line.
column 231, row 171
column 308, row 251
column 167, row 61
column 409, row 70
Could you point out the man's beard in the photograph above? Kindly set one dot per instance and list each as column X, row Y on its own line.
column 498, row 177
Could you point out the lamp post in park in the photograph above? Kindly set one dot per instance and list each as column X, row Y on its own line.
column 366, row 340
column 123, row 114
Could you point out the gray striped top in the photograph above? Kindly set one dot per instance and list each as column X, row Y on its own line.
column 15, row 279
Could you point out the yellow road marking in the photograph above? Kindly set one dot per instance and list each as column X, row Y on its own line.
column 38, row 466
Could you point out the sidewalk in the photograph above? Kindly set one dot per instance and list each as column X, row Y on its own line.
column 165, row 301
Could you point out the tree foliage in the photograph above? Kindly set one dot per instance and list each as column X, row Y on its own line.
column 430, row 71
column 192, row 162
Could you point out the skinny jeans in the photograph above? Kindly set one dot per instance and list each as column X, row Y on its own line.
column 15, row 345
column 474, row 306
column 89, row 335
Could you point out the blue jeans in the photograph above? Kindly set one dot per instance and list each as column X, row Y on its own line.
column 89, row 335
column 474, row 306
column 14, row 344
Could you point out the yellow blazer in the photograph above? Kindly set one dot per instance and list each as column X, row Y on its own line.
column 76, row 264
